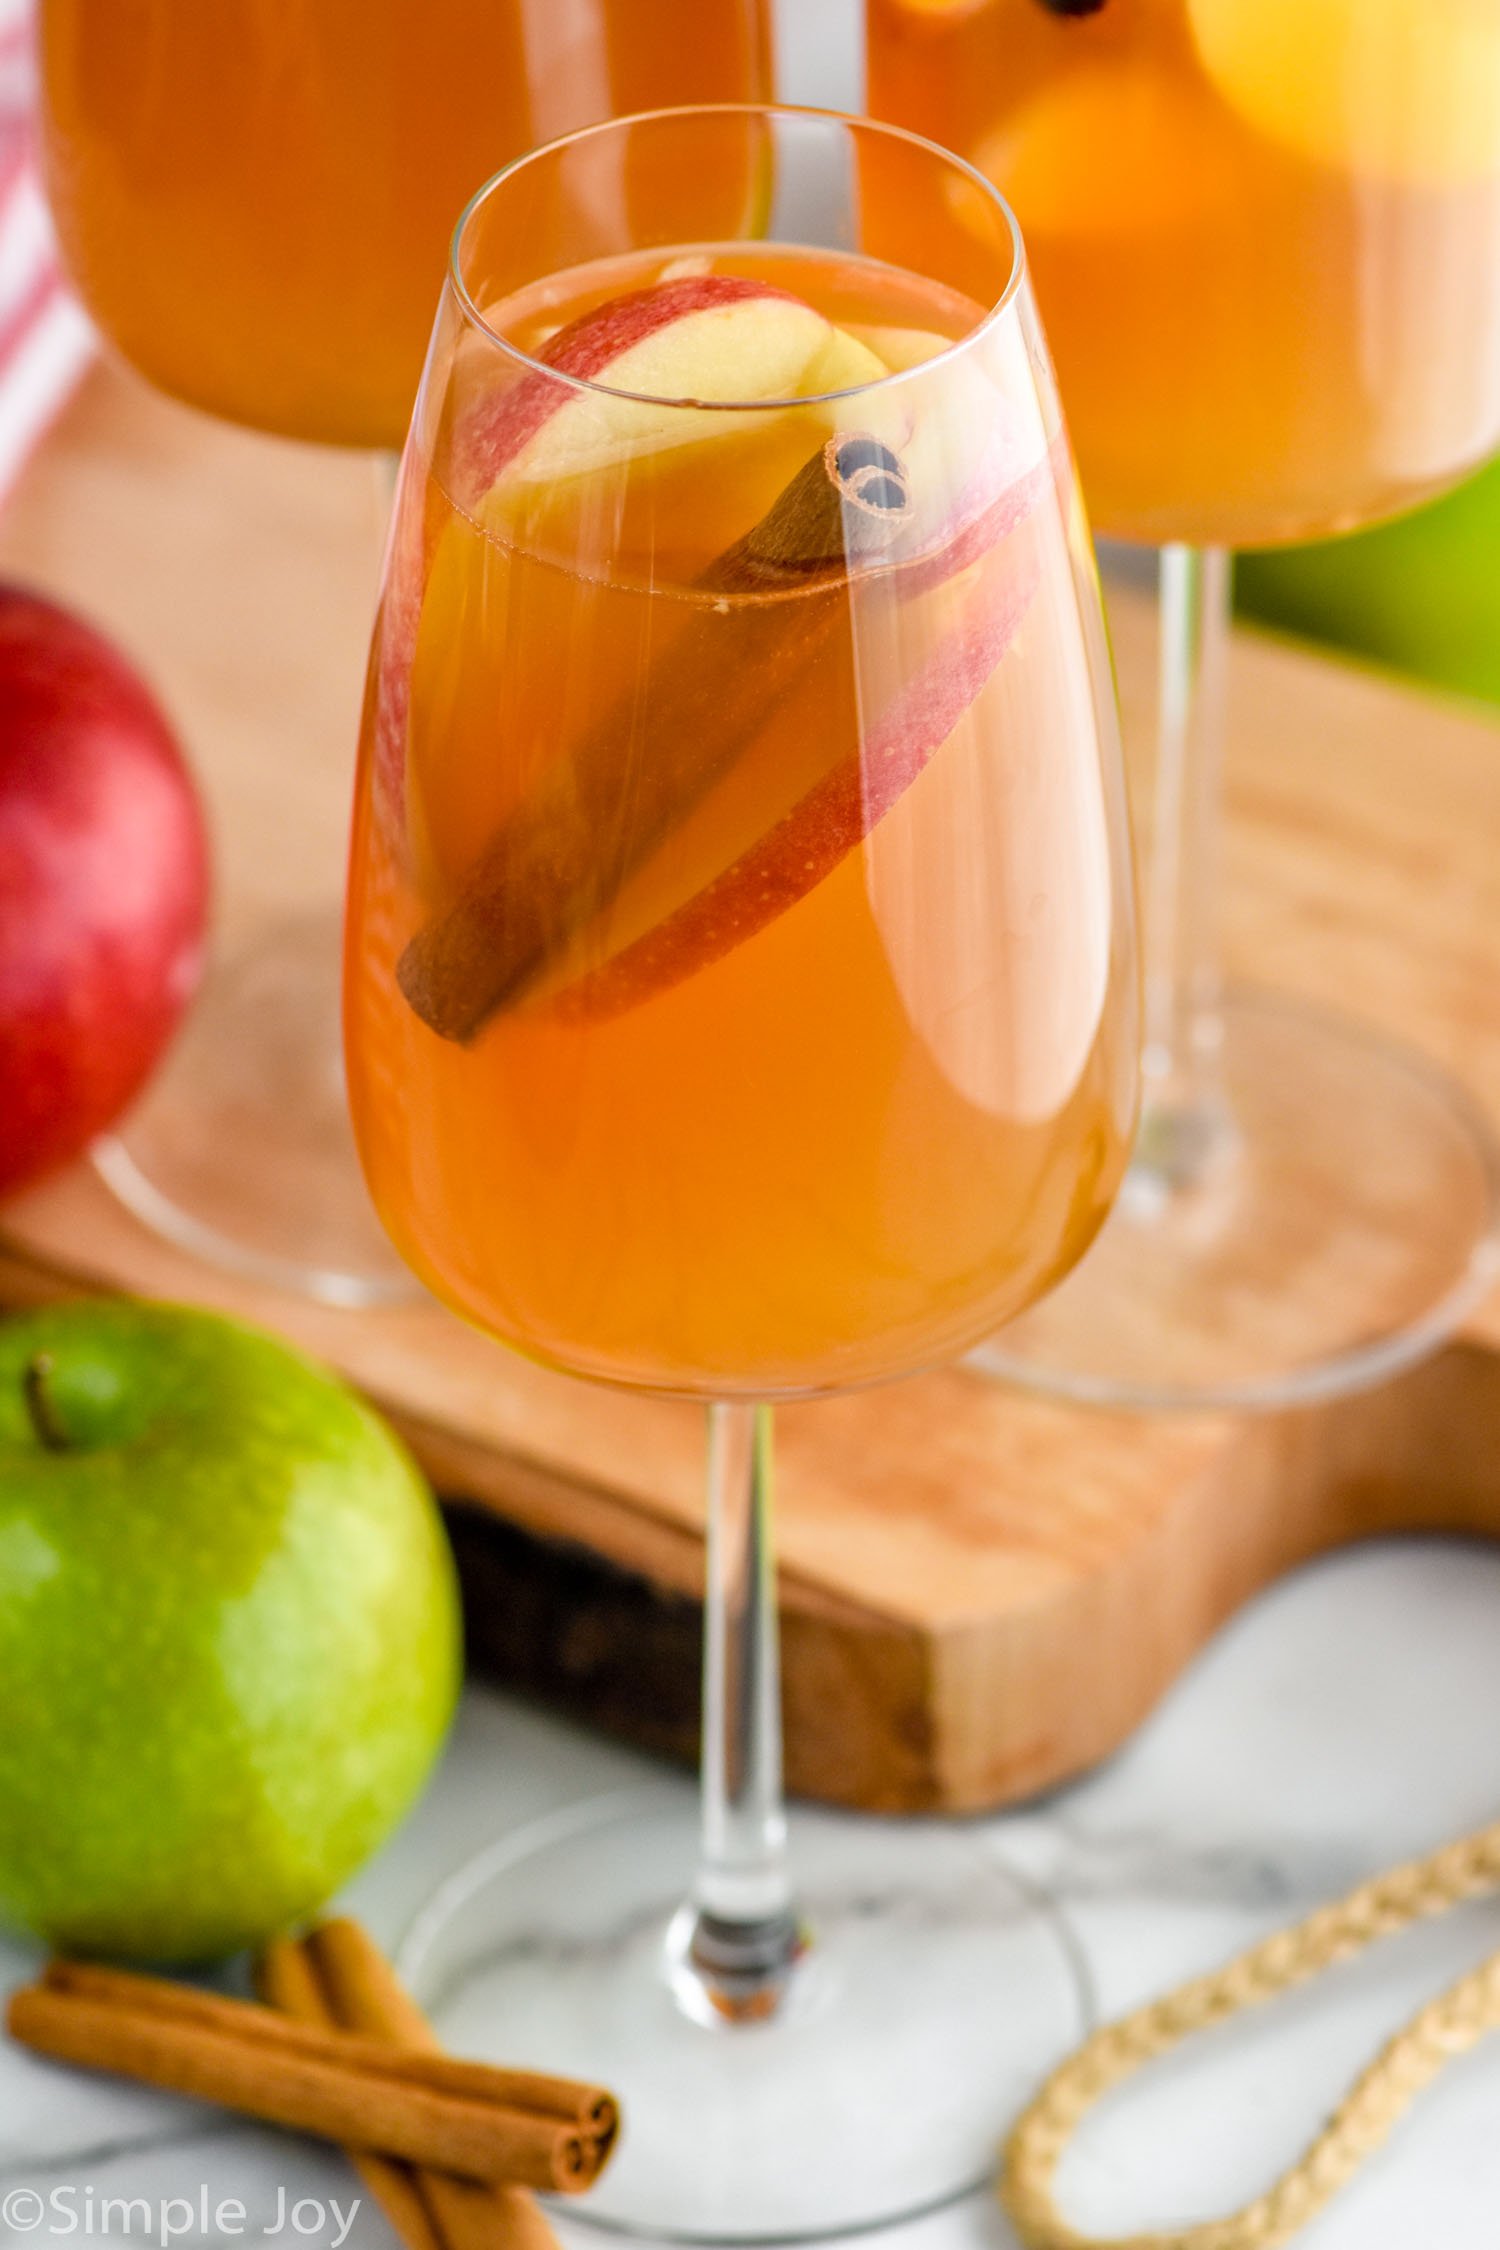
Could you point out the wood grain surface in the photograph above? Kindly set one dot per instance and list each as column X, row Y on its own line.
column 982, row 1593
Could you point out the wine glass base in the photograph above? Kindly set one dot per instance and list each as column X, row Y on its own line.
column 1348, row 1227
column 935, row 1992
column 241, row 1152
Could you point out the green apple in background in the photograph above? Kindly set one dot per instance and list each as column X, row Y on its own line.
column 1421, row 594
column 229, row 1638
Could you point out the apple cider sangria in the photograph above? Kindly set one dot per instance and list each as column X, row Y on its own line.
column 740, row 1002
column 736, row 999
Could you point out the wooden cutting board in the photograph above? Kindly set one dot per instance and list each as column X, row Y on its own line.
column 982, row 1594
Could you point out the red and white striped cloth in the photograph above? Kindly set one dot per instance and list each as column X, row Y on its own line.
column 45, row 337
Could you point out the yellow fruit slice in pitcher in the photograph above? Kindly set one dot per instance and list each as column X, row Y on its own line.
column 1404, row 90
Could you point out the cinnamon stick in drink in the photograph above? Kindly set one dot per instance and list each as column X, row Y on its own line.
column 428, row 2109
column 811, row 839
column 337, row 1975
column 544, row 875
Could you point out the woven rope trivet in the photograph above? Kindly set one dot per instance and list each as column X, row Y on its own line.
column 1447, row 2027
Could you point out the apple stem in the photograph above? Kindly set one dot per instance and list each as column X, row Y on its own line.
column 39, row 1405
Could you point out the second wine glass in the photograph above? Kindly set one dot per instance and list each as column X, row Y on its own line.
column 1266, row 238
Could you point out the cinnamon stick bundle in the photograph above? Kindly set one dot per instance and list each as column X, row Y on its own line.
column 547, row 872
column 338, row 1976
column 427, row 2108
column 287, row 1980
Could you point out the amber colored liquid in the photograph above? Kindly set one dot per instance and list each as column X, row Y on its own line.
column 1266, row 325
column 255, row 197
column 890, row 1115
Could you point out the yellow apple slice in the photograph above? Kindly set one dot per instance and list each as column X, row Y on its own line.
column 902, row 348
column 1405, row 90
column 844, row 363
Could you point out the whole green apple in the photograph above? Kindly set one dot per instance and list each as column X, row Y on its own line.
column 229, row 1638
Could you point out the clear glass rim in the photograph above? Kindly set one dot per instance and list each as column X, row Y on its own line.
column 875, row 127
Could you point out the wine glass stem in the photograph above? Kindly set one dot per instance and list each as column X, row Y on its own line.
column 1187, row 1130
column 742, row 1937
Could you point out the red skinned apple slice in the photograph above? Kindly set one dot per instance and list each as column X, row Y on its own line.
column 811, row 840
column 543, row 876
column 392, row 654
column 541, row 879
column 548, row 871
column 696, row 335
column 701, row 338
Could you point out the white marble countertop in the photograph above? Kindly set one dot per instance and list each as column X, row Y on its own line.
column 1343, row 1722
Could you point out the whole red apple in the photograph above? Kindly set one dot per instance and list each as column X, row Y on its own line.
column 103, row 885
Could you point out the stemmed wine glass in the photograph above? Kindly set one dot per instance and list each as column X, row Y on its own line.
column 740, row 1005
column 1266, row 240
column 218, row 175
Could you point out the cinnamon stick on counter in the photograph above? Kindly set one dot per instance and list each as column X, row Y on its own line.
column 287, row 1980
column 604, row 805
column 337, row 1975
column 425, row 2108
